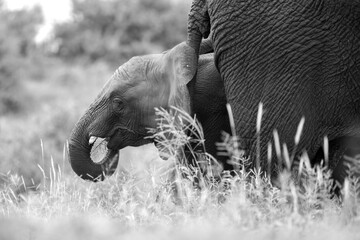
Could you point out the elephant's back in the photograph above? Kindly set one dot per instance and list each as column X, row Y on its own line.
column 276, row 34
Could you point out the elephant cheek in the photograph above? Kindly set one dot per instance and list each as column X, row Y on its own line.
column 119, row 141
column 147, row 117
column 151, row 121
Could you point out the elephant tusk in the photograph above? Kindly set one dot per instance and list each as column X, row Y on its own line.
column 92, row 140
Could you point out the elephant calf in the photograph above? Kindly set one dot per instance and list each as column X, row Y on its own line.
column 124, row 109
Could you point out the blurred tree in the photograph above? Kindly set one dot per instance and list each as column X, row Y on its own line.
column 17, row 33
column 18, row 30
column 115, row 30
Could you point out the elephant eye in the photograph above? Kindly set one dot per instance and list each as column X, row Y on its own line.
column 117, row 103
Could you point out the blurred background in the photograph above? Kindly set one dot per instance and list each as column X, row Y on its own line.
column 54, row 58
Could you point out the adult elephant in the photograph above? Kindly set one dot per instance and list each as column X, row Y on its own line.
column 124, row 109
column 299, row 58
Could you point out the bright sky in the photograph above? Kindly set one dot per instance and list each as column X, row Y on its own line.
column 53, row 10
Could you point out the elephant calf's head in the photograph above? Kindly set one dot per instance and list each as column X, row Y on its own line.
column 124, row 109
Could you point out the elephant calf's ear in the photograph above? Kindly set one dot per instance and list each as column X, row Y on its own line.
column 183, row 63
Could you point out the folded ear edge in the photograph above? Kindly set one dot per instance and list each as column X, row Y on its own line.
column 184, row 61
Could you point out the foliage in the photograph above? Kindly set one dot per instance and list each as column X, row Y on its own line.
column 116, row 30
column 17, row 33
column 56, row 105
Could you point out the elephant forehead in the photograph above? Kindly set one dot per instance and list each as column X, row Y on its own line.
column 136, row 80
column 133, row 69
column 127, row 75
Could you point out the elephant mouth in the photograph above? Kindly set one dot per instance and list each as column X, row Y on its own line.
column 100, row 152
column 108, row 141
column 102, row 149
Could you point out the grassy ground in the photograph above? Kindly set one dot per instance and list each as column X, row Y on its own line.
column 139, row 201
column 124, row 207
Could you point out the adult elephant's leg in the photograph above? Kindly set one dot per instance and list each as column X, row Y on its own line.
column 282, row 110
column 342, row 155
column 213, row 127
column 339, row 151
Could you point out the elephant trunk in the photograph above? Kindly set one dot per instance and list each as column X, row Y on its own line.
column 80, row 155
column 198, row 25
column 194, row 41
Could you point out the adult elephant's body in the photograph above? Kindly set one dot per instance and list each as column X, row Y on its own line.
column 299, row 58
column 124, row 109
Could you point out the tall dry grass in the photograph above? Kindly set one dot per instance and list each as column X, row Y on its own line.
column 163, row 205
column 55, row 100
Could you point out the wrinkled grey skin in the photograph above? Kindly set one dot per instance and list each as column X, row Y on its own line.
column 299, row 58
column 124, row 109
column 209, row 105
